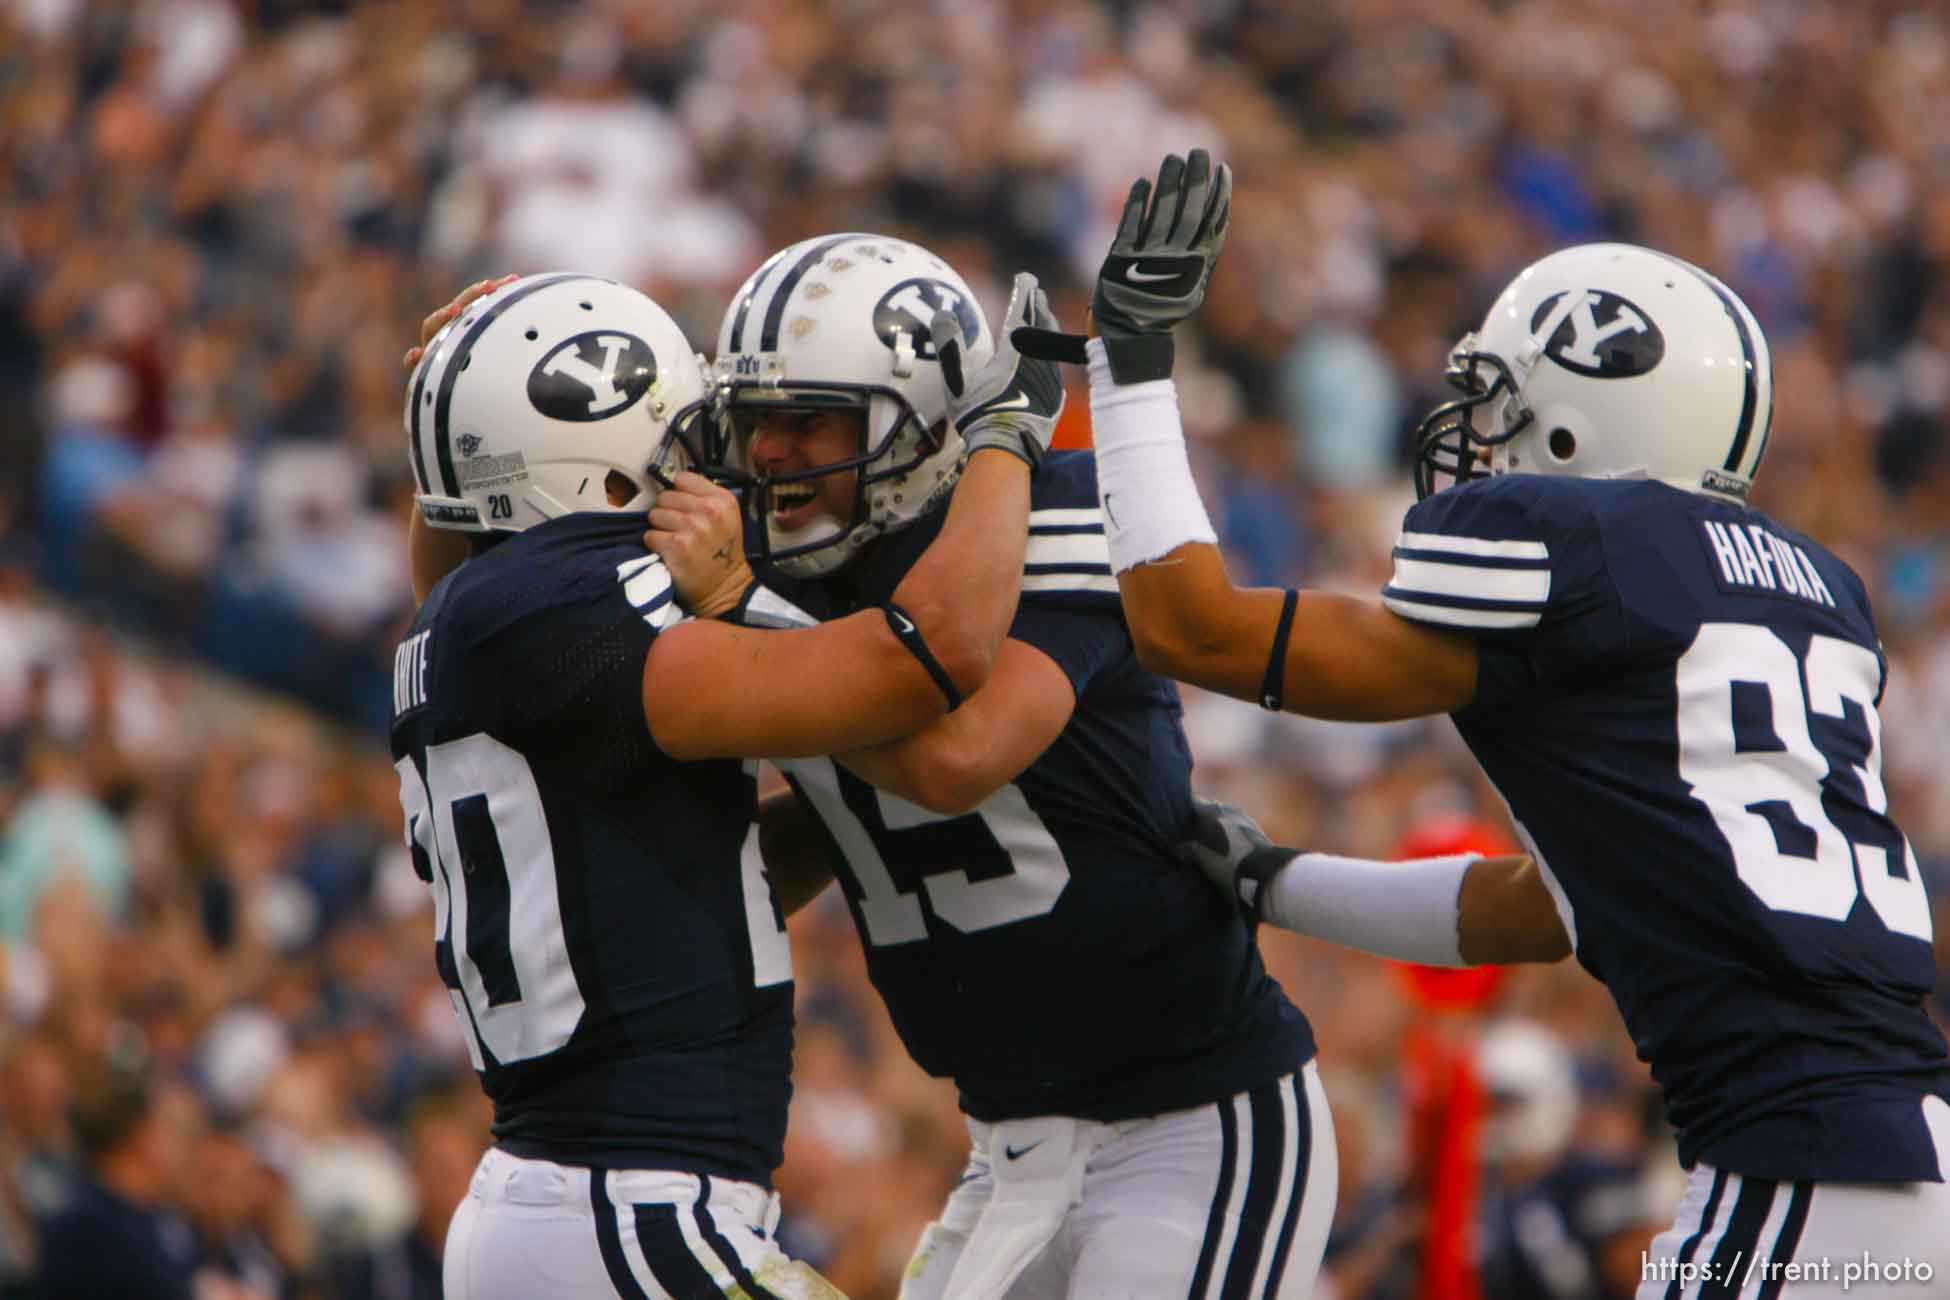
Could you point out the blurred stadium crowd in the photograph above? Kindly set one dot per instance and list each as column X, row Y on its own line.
column 220, row 223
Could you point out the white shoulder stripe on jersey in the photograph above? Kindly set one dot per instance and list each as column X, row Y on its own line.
column 1480, row 618
column 630, row 568
column 1474, row 581
column 1068, row 548
column 1070, row 582
column 1473, row 546
column 1066, row 518
column 646, row 585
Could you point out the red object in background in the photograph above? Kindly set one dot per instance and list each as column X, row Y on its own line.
column 1444, row 1096
column 1073, row 426
column 1445, row 1103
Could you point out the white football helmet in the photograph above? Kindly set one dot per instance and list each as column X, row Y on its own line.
column 1607, row 361
column 1533, row 1090
column 843, row 321
column 526, row 404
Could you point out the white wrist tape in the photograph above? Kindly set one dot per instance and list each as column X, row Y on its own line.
column 763, row 607
column 1151, row 505
column 1405, row 910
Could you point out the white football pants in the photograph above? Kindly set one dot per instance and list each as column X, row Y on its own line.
column 529, row 1228
column 1740, row 1238
column 1227, row 1200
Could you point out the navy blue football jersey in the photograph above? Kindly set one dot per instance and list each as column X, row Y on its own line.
column 1677, row 698
column 602, row 919
column 1049, row 952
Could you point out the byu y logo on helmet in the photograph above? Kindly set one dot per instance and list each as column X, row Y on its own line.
column 1602, row 336
column 909, row 308
column 592, row 376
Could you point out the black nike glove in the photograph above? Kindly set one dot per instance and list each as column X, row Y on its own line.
column 1014, row 401
column 1156, row 273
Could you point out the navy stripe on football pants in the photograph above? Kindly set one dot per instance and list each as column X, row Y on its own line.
column 1691, row 1246
column 1733, row 1263
column 1266, row 1147
column 671, row 1262
column 1788, row 1239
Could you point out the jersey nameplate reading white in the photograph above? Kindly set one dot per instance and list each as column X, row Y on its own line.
column 410, row 673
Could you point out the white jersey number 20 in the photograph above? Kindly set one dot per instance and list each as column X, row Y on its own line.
column 479, row 820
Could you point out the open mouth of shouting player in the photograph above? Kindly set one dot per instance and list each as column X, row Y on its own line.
column 801, row 458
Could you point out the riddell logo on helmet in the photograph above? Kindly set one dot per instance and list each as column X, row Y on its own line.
column 910, row 306
column 592, row 376
column 1714, row 480
column 1602, row 336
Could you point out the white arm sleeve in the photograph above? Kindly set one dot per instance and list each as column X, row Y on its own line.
column 1151, row 506
column 1406, row 910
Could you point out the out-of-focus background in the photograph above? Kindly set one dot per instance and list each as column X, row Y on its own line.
column 221, row 221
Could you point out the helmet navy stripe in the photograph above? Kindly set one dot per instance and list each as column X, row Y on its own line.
column 737, row 342
column 1752, row 398
column 775, row 312
column 417, row 456
column 443, row 402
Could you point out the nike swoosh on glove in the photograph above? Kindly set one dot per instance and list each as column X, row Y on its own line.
column 1156, row 273
column 1014, row 401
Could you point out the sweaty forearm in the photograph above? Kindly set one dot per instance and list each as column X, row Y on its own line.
column 962, row 592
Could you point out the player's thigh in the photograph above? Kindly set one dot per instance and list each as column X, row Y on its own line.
column 1233, row 1198
column 684, row 1237
column 509, row 1249
column 1737, row 1238
column 529, row 1228
column 1802, row 1241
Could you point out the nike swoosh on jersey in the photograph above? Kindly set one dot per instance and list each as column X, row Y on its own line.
column 1017, row 1153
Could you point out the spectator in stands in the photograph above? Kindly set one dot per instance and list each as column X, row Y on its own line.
column 118, row 1234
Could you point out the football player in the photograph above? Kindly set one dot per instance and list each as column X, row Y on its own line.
column 1145, row 1116
column 1675, row 694
column 564, row 738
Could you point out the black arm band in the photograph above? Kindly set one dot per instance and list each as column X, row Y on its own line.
column 901, row 624
column 1272, row 689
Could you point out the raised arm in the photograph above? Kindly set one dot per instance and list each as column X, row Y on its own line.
column 1345, row 657
column 1325, row 655
column 967, row 581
